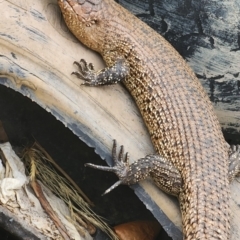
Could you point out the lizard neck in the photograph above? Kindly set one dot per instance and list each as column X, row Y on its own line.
column 89, row 23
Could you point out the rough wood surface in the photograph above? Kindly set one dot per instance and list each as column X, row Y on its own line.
column 15, row 225
column 36, row 55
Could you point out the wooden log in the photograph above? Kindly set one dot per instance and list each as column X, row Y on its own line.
column 36, row 56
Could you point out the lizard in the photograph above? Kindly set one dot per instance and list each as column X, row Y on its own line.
column 192, row 159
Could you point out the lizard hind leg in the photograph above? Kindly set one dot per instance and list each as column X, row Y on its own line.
column 234, row 162
column 164, row 174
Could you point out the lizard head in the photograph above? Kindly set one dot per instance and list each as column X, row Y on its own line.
column 85, row 19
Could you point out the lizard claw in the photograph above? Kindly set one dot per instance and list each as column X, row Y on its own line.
column 83, row 66
column 85, row 72
column 120, row 167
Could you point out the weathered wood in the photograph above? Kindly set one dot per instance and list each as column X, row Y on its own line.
column 15, row 225
column 36, row 55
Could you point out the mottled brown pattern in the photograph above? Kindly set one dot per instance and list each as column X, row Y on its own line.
column 175, row 108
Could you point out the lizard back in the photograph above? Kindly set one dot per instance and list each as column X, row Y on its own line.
column 175, row 108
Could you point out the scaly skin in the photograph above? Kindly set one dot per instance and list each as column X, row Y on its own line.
column 178, row 113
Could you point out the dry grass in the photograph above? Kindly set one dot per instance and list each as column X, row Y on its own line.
column 42, row 167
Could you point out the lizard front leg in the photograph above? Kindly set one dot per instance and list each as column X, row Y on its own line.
column 164, row 174
column 110, row 75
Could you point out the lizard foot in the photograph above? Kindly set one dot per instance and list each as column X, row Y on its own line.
column 86, row 72
column 120, row 167
column 234, row 162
